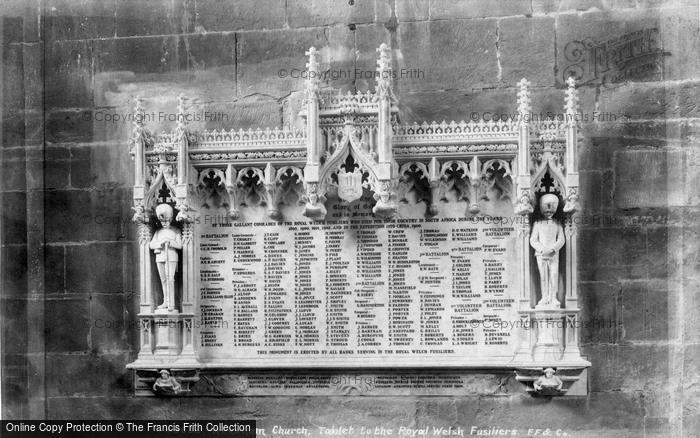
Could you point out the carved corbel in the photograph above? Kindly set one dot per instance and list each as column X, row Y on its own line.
column 314, row 201
column 550, row 381
column 271, row 186
column 171, row 383
column 384, row 194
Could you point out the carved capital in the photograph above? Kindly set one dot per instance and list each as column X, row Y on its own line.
column 144, row 233
column 140, row 216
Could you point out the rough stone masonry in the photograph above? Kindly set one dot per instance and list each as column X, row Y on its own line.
column 71, row 69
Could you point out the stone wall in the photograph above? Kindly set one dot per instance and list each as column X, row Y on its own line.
column 68, row 246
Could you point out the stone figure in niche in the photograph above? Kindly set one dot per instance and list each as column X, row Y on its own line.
column 166, row 384
column 547, row 239
column 548, row 383
column 165, row 245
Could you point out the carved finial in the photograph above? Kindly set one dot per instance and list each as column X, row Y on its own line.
column 571, row 96
column 524, row 98
column 383, row 70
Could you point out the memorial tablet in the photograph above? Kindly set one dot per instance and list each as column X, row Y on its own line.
column 355, row 247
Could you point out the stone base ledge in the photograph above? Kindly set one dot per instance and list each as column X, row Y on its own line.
column 420, row 382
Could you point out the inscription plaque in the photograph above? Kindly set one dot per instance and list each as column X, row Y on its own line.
column 355, row 290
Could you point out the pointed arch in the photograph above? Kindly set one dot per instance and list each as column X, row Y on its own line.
column 152, row 193
column 554, row 172
column 349, row 145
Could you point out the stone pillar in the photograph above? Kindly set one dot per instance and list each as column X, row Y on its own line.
column 314, row 208
column 383, row 190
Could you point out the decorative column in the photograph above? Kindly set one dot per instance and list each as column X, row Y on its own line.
column 140, row 218
column 384, row 188
column 314, row 208
column 571, row 208
column 523, row 209
column 181, row 193
column 183, row 334
column 571, row 205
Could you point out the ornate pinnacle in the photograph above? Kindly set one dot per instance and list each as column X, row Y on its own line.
column 571, row 106
column 383, row 70
column 138, row 112
column 523, row 98
column 312, row 69
column 313, row 64
column 181, row 108
column 137, row 131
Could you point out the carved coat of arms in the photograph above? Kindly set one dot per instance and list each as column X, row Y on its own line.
column 350, row 185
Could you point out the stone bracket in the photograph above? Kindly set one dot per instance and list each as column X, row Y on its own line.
column 549, row 381
column 145, row 381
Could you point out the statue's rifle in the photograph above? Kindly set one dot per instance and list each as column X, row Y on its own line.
column 167, row 275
